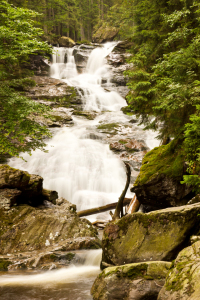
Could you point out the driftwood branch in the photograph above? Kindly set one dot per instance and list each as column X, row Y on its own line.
column 119, row 207
column 100, row 209
column 133, row 206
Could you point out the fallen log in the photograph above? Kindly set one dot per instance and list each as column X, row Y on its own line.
column 96, row 210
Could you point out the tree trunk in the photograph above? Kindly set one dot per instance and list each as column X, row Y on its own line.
column 119, row 207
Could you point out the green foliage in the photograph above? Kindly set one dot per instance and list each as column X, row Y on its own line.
column 73, row 18
column 18, row 39
column 164, row 81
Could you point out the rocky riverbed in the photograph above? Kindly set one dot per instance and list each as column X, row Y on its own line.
column 151, row 255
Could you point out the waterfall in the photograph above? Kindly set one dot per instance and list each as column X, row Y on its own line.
column 82, row 170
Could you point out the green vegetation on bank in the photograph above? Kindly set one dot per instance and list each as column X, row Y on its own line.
column 164, row 81
column 18, row 39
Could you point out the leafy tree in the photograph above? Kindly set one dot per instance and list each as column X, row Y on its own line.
column 164, row 82
column 18, row 39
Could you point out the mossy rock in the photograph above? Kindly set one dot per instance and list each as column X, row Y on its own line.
column 158, row 183
column 105, row 34
column 182, row 282
column 4, row 264
column 25, row 228
column 110, row 128
column 124, row 282
column 156, row 236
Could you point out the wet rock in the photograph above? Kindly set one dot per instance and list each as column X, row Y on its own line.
column 115, row 59
column 26, row 228
column 104, row 34
column 123, row 46
column 8, row 197
column 116, row 146
column 66, row 204
column 38, row 64
column 87, row 114
column 182, row 281
column 29, row 185
column 132, row 281
column 50, row 195
column 158, row 235
column 81, row 59
column 65, row 41
column 58, row 117
column 54, row 91
column 110, row 128
column 158, row 183
column 4, row 264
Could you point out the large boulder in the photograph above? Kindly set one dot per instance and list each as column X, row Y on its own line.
column 123, row 46
column 19, row 186
column 156, row 236
column 65, row 41
column 133, row 281
column 158, row 183
column 183, row 280
column 54, row 92
column 25, row 228
column 38, row 64
column 104, row 34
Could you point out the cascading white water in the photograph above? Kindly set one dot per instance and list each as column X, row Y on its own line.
column 60, row 69
column 81, row 169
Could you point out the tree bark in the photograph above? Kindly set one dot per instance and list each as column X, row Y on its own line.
column 133, row 206
column 119, row 207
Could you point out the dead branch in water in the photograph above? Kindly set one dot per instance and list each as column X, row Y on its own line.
column 119, row 207
column 100, row 209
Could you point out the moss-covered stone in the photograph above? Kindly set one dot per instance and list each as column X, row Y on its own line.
column 104, row 34
column 129, row 279
column 158, row 235
column 65, row 41
column 158, row 183
column 4, row 264
column 182, row 282
column 161, row 160
column 88, row 115
column 110, row 128
column 25, row 228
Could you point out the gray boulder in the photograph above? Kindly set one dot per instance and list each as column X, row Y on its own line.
column 182, row 281
column 156, row 236
column 133, row 281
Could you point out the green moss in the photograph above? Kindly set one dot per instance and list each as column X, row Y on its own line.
column 84, row 114
column 4, row 264
column 166, row 159
column 123, row 142
column 109, row 128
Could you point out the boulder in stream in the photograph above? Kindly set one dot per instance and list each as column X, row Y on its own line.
column 136, row 281
column 44, row 226
column 158, row 183
column 182, row 281
column 156, row 236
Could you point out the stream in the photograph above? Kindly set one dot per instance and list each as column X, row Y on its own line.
column 80, row 166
